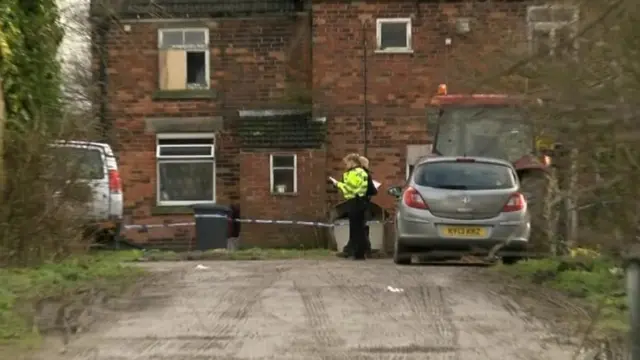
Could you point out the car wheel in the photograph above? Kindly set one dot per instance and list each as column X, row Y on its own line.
column 510, row 260
column 400, row 256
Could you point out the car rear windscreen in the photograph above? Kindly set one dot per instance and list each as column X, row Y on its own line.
column 80, row 163
column 464, row 176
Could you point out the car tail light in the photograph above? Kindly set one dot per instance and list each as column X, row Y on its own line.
column 115, row 185
column 412, row 199
column 516, row 203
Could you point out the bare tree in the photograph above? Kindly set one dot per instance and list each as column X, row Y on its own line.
column 75, row 54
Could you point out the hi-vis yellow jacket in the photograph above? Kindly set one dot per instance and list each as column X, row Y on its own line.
column 354, row 183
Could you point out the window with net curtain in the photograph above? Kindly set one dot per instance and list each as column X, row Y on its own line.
column 186, row 169
column 284, row 179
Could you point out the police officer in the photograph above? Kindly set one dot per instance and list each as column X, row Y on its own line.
column 354, row 188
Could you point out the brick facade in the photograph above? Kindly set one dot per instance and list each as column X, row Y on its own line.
column 267, row 62
column 257, row 202
column 251, row 63
column 399, row 86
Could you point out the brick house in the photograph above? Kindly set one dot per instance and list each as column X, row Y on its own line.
column 255, row 102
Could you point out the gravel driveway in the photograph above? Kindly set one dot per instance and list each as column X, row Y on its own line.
column 317, row 310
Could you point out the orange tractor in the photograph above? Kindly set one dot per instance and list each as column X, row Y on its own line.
column 495, row 126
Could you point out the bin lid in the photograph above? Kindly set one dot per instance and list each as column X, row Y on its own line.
column 210, row 208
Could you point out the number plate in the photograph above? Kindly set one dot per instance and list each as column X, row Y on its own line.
column 464, row 232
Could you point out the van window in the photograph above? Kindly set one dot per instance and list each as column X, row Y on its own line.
column 464, row 176
column 81, row 163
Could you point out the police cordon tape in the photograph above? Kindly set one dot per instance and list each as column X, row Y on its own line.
column 144, row 228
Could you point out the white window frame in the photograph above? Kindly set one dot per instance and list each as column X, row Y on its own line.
column 550, row 27
column 168, row 159
column 294, row 168
column 398, row 50
column 204, row 48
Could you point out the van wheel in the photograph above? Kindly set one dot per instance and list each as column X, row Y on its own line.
column 510, row 260
column 400, row 256
column 105, row 237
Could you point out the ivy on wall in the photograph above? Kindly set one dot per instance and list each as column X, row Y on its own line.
column 30, row 34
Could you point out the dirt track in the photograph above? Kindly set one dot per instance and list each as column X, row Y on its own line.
column 317, row 310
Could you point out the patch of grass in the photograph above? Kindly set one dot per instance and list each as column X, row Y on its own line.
column 22, row 288
column 595, row 281
column 246, row 254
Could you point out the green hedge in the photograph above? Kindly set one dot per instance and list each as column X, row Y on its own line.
column 29, row 68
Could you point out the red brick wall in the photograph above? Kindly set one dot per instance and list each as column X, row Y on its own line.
column 249, row 69
column 299, row 58
column 257, row 201
column 399, row 85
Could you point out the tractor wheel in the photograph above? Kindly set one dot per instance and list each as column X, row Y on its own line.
column 534, row 186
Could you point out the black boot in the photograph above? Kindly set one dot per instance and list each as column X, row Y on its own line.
column 367, row 242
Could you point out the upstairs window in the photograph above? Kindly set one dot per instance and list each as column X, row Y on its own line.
column 553, row 29
column 183, row 59
column 393, row 35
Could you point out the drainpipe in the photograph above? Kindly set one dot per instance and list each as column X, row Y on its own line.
column 309, row 83
column 103, row 33
column 365, row 110
column 447, row 50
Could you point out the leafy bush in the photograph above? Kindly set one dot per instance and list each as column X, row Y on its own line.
column 39, row 209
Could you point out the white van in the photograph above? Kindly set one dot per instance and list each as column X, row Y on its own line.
column 99, row 169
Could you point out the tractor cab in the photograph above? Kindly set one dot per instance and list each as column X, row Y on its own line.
column 488, row 125
column 495, row 126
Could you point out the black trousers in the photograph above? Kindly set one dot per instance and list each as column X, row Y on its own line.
column 357, row 234
column 348, row 249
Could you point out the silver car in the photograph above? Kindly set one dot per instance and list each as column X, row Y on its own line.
column 452, row 206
